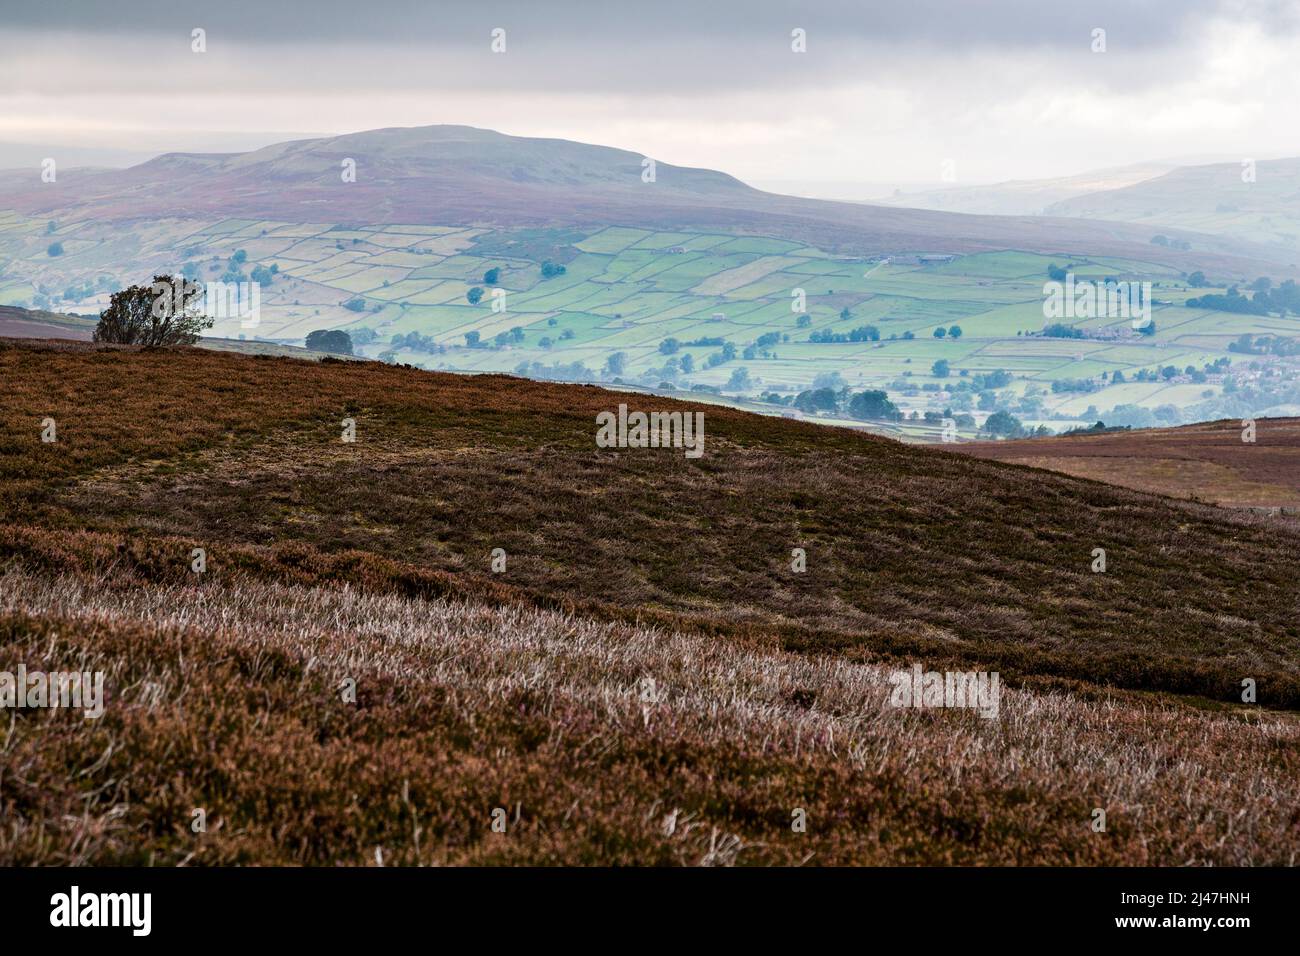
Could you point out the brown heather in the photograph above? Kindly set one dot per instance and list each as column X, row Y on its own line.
column 1205, row 462
column 524, row 690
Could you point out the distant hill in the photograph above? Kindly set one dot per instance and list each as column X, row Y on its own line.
column 464, row 175
column 1210, row 198
column 1026, row 197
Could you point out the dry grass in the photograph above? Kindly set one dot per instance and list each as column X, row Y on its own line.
column 910, row 550
column 522, row 690
column 1206, row 462
column 227, row 699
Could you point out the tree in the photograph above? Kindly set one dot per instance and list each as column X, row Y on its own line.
column 874, row 405
column 54, row 249
column 168, row 312
column 954, row 332
column 517, row 334
column 739, row 381
column 817, row 399
column 335, row 341
column 668, row 346
column 845, row 313
column 615, row 364
column 550, row 269
column 472, row 339
column 474, row 295
column 492, row 276
column 803, row 321
column 1056, row 273
column 1197, row 280
column 940, row 369
column 357, row 304
column 688, row 363
column 1003, row 423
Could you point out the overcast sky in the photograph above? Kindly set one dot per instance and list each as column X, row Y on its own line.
column 886, row 92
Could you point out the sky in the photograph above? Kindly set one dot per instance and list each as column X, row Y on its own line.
column 909, row 92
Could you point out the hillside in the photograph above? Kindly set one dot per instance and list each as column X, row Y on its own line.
column 647, row 679
column 1027, row 197
column 1212, row 198
column 457, row 175
column 16, row 323
column 38, row 324
column 1208, row 462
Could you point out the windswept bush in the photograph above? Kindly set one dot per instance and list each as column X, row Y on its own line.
column 168, row 312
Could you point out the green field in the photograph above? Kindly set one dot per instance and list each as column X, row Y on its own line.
column 625, row 290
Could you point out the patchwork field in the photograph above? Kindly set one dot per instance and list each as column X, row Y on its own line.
column 726, row 306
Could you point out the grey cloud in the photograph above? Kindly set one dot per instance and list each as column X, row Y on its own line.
column 566, row 25
column 670, row 46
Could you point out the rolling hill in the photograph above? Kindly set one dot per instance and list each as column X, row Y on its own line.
column 642, row 673
column 1026, row 197
column 467, row 176
column 1213, row 198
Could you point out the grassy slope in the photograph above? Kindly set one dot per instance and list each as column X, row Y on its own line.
column 1205, row 462
column 329, row 560
column 34, row 323
column 455, row 175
